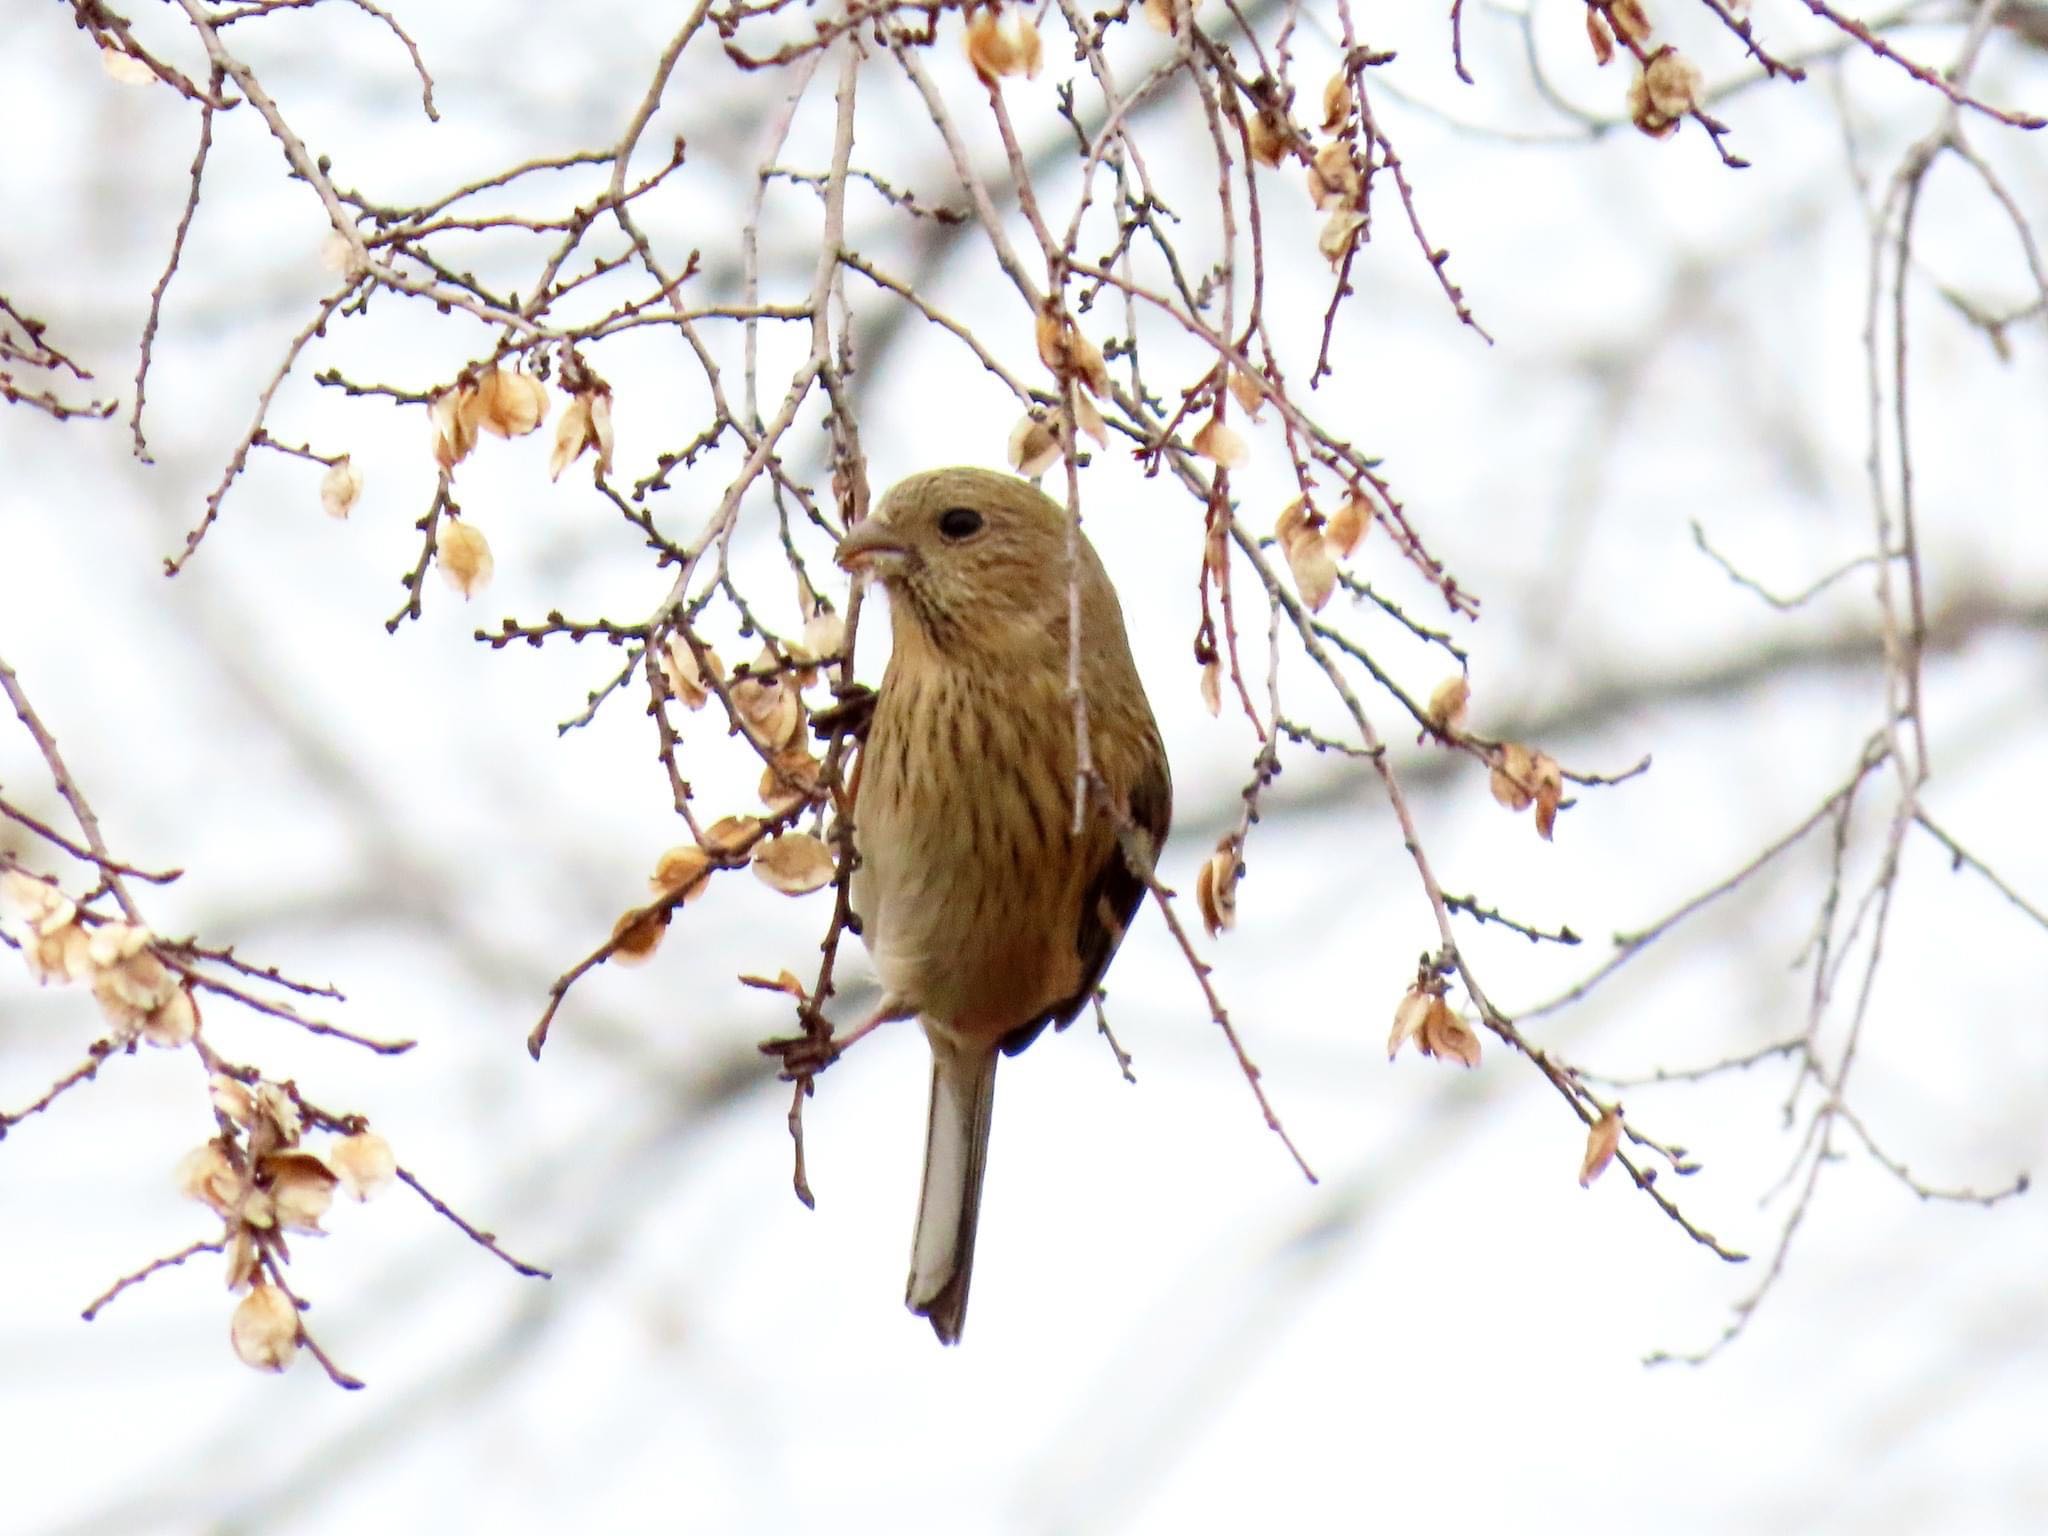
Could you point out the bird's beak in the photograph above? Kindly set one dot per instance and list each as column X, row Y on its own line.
column 872, row 546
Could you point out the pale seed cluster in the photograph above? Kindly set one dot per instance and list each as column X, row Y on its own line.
column 255, row 1175
column 1083, row 376
column 767, row 706
column 501, row 402
column 1424, row 1018
column 1433, row 1025
column 263, row 1184
column 1667, row 85
column 1313, row 545
column 1522, row 778
column 1518, row 776
column 1334, row 183
column 141, row 996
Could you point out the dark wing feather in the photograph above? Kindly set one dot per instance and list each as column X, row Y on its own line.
column 1110, row 901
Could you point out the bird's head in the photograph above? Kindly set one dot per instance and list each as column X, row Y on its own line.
column 973, row 560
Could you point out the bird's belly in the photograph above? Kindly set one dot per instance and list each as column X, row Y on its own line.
column 977, row 944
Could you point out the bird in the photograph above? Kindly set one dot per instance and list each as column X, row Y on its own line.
column 990, row 910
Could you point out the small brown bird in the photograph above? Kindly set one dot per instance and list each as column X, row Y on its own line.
column 987, row 915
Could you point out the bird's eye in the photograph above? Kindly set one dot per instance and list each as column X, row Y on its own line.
column 959, row 522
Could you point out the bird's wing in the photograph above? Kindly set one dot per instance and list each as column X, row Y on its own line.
column 1110, row 900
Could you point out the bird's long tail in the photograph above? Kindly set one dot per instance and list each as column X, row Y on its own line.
column 955, row 1158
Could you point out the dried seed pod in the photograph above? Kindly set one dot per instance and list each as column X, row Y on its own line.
column 301, row 1189
column 1034, row 446
column 795, row 863
column 340, row 487
column 510, row 403
column 1216, row 887
column 464, row 556
column 1601, row 39
column 685, row 868
column 1300, row 532
column 1337, row 101
column 638, row 933
column 265, row 1329
column 364, row 1163
column 1449, row 702
column 1349, row 524
column 453, row 414
column 1672, row 83
column 685, row 678
column 1513, row 779
column 1219, row 444
column 1603, row 1140
column 731, row 835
